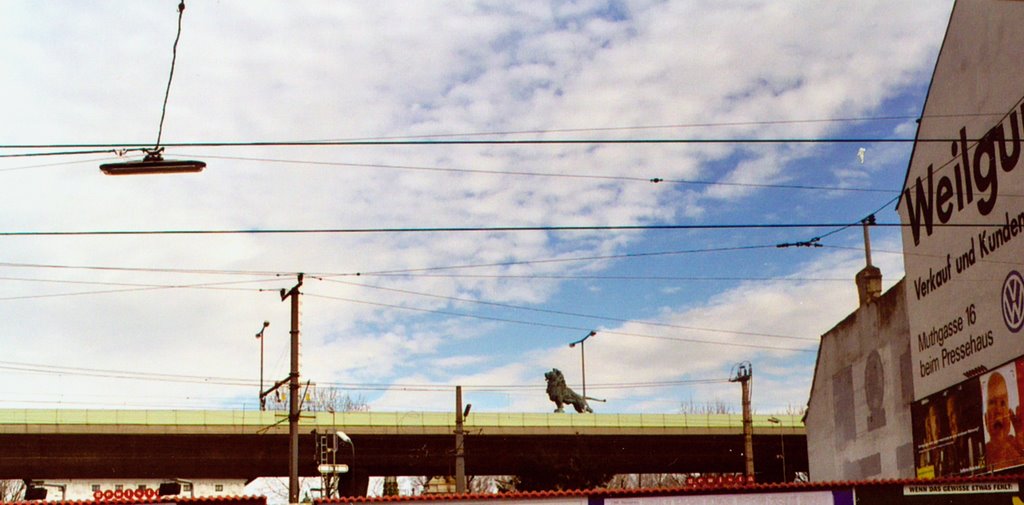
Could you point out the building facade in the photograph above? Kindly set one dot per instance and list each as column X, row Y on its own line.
column 136, row 489
column 859, row 417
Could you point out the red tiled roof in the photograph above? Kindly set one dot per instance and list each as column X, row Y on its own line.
column 685, row 490
column 576, row 493
column 225, row 500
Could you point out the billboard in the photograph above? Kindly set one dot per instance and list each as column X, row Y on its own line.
column 961, row 205
column 974, row 427
column 948, row 433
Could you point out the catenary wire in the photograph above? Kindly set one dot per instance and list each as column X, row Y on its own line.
column 554, row 326
column 666, row 278
column 232, row 381
column 125, row 284
column 56, row 153
column 926, row 255
column 467, row 229
column 573, row 130
column 551, row 260
column 649, row 127
column 131, row 287
column 211, row 286
column 198, row 271
column 816, row 241
column 566, row 313
column 44, row 165
column 546, row 174
column 681, row 126
column 492, row 142
column 382, row 272
column 139, row 286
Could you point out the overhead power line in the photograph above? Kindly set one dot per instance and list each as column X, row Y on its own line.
column 189, row 271
column 129, row 284
column 816, row 241
column 48, row 369
column 138, row 287
column 549, row 131
column 567, row 313
column 556, row 326
column 550, row 260
column 570, row 277
column 706, row 124
column 489, row 142
column 652, row 179
column 60, row 153
column 205, row 271
column 546, row 131
column 43, row 165
column 471, row 229
column 439, row 138
column 123, row 374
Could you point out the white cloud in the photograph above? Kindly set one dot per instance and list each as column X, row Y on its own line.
column 261, row 71
column 805, row 309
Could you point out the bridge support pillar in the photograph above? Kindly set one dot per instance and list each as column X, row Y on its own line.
column 356, row 483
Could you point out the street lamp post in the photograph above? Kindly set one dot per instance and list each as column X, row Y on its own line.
column 259, row 336
column 352, row 466
column 154, row 162
column 583, row 359
column 327, row 459
column 345, row 438
column 782, row 444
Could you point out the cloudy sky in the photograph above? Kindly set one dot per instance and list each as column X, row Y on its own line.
column 447, row 101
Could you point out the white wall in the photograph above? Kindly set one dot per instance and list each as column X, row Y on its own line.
column 83, row 489
column 858, row 418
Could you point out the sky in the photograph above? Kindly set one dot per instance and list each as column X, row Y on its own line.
column 435, row 250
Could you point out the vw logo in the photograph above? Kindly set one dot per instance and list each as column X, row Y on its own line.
column 1013, row 301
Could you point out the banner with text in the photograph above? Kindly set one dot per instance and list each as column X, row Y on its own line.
column 962, row 206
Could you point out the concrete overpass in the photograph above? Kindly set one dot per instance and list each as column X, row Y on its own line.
column 51, row 444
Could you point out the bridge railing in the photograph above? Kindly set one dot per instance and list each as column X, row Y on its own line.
column 13, row 419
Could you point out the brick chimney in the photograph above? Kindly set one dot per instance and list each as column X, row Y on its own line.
column 869, row 284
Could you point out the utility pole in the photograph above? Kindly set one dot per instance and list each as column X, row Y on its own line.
column 460, row 448
column 293, row 396
column 866, row 222
column 869, row 279
column 742, row 374
column 259, row 336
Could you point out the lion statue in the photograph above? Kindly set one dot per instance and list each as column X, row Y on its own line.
column 562, row 395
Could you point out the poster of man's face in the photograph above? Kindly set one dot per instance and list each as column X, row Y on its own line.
column 925, row 432
column 948, row 432
column 963, row 447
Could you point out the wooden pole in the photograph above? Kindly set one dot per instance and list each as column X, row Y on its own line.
column 293, row 396
column 460, row 449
